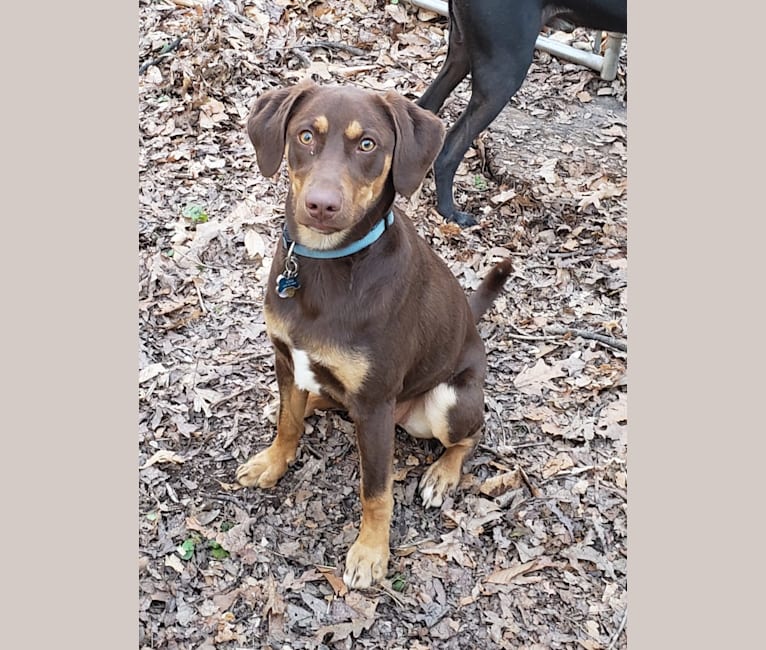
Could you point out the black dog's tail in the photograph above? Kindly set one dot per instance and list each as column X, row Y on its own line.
column 489, row 289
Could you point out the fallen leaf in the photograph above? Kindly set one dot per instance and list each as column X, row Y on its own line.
column 150, row 372
column 548, row 171
column 503, row 197
column 363, row 618
column 397, row 12
column 174, row 562
column 211, row 113
column 255, row 244
column 507, row 576
column 225, row 601
column 204, row 233
column 557, row 464
column 163, row 456
column 586, row 553
column 449, row 229
column 336, row 582
column 450, row 549
column 275, row 604
column 614, row 130
column 341, row 631
column 616, row 411
column 591, row 627
column 497, row 485
column 552, row 428
column 531, row 381
column 612, row 423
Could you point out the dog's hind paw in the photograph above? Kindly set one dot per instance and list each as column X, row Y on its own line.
column 436, row 483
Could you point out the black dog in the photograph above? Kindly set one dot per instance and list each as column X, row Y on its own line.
column 494, row 40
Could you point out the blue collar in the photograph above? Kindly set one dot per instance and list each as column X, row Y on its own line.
column 331, row 254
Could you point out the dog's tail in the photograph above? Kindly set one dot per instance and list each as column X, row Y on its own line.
column 489, row 289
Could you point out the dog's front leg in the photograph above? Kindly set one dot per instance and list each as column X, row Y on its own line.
column 367, row 559
column 265, row 468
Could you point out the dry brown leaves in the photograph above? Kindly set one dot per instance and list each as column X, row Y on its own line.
column 531, row 552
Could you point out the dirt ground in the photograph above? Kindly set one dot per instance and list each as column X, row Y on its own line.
column 531, row 552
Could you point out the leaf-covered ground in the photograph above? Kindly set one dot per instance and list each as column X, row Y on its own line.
column 531, row 552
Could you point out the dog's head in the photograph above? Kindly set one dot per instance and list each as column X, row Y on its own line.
column 347, row 150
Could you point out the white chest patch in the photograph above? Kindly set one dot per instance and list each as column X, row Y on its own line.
column 304, row 378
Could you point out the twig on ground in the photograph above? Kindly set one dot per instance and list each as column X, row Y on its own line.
column 236, row 393
column 304, row 58
column 189, row 4
column 250, row 357
column 616, row 635
column 566, row 521
column 226, row 498
column 329, row 45
column 183, row 255
column 512, row 448
column 534, row 491
column 614, row 490
column 199, row 296
column 524, row 336
column 585, row 252
column 601, row 338
column 531, row 337
column 164, row 54
column 415, row 544
column 384, row 588
column 326, row 44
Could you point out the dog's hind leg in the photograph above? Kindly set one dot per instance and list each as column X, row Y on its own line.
column 443, row 476
column 456, row 66
column 452, row 413
column 317, row 402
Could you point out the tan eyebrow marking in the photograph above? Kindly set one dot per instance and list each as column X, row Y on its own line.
column 321, row 124
column 353, row 130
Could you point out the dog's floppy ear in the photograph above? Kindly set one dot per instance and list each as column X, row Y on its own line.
column 419, row 137
column 267, row 123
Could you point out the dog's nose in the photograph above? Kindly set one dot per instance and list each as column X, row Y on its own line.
column 323, row 204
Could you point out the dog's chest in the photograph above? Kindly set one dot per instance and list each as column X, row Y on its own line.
column 319, row 364
column 304, row 376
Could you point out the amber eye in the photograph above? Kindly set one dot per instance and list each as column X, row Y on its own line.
column 366, row 144
column 306, row 137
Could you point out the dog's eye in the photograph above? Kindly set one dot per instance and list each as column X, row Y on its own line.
column 366, row 144
column 306, row 137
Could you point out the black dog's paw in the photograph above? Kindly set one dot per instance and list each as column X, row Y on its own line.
column 462, row 219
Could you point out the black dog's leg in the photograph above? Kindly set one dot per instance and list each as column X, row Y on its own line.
column 500, row 46
column 453, row 71
column 487, row 100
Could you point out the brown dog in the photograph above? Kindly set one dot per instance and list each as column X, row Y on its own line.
column 363, row 315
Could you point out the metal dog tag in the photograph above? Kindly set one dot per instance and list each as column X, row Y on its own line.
column 287, row 286
column 287, row 281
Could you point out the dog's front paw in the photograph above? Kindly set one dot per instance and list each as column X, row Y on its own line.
column 462, row 219
column 437, row 482
column 365, row 565
column 264, row 469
